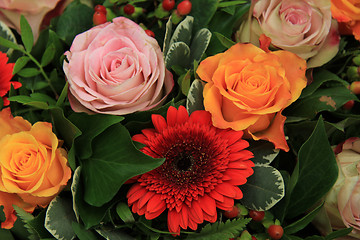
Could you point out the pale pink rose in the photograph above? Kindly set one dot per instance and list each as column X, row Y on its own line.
column 342, row 203
column 116, row 68
column 303, row 27
column 33, row 10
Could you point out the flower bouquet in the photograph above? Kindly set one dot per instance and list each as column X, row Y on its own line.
column 163, row 119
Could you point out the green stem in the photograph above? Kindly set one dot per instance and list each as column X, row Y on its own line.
column 42, row 72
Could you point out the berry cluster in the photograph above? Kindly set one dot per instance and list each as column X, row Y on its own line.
column 272, row 228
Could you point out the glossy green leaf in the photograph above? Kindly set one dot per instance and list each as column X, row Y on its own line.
column 114, row 160
column 323, row 99
column 123, row 210
column 90, row 126
column 90, row 215
column 59, row 218
column 82, row 233
column 303, row 222
column 338, row 233
column 263, row 189
column 231, row 3
column 71, row 23
column 6, row 234
column 226, row 42
column 203, row 11
column 114, row 235
column 321, row 77
column 26, row 34
column 316, row 172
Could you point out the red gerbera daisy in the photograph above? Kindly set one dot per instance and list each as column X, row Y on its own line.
column 204, row 166
column 6, row 70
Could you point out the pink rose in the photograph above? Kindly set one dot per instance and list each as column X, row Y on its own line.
column 302, row 27
column 33, row 10
column 342, row 203
column 116, row 68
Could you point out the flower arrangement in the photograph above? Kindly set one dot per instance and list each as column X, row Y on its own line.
column 164, row 119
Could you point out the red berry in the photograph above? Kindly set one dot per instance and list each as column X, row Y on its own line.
column 129, row 9
column 168, row 5
column 355, row 87
column 184, row 8
column 150, row 33
column 349, row 104
column 232, row 213
column 253, row 238
column 99, row 18
column 275, row 231
column 257, row 216
column 100, row 8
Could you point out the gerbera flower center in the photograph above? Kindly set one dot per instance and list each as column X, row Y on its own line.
column 183, row 162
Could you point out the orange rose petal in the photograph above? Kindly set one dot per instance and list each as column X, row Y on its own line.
column 8, row 200
column 295, row 68
column 356, row 30
column 219, row 106
column 274, row 134
column 208, row 66
column 240, row 51
column 10, row 124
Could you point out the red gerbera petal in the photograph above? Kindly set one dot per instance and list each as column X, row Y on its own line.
column 6, row 70
column 204, row 166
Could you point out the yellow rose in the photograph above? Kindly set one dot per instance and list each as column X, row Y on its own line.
column 247, row 88
column 33, row 168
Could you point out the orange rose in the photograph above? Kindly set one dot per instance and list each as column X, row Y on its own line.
column 247, row 88
column 347, row 12
column 33, row 168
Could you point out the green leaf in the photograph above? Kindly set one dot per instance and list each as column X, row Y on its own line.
column 263, row 189
column 184, row 82
column 221, row 230
column 6, row 33
column 231, row 3
column 82, row 233
column 6, row 234
column 28, row 72
column 114, row 235
column 59, row 218
column 90, row 215
column 203, row 11
column 303, row 222
column 321, row 77
column 183, row 31
column 26, row 34
column 115, row 159
column 323, row 99
column 264, row 152
column 123, row 210
column 9, row 44
column 37, row 225
column 316, row 174
column 90, row 126
column 38, row 100
column 48, row 55
column 226, row 42
column 195, row 99
column 20, row 63
column 199, row 44
column 167, row 37
column 338, row 234
column 178, row 54
column 71, row 23
column 25, row 218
